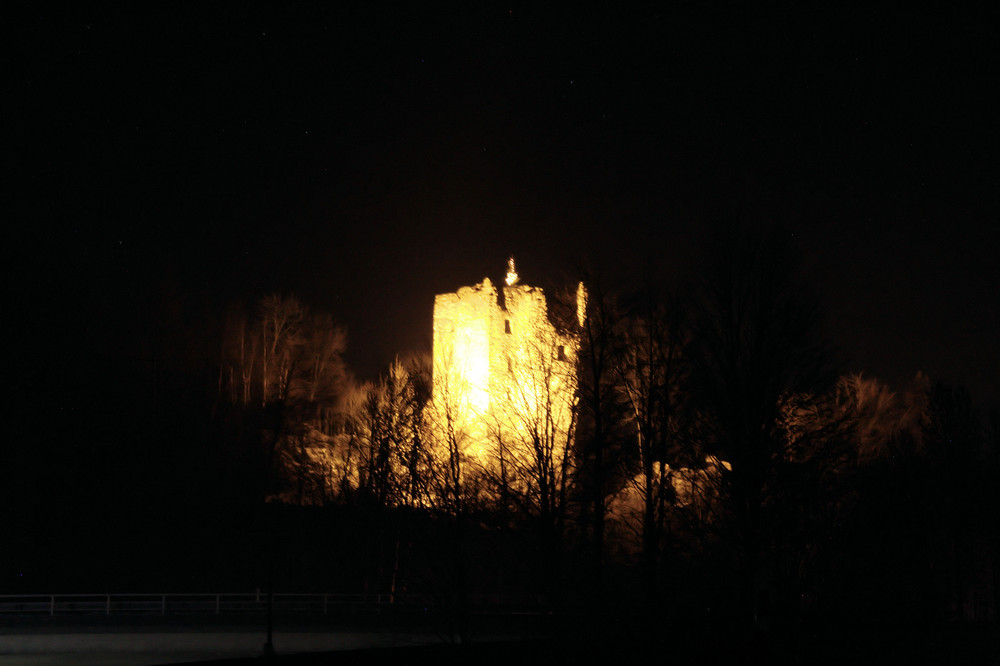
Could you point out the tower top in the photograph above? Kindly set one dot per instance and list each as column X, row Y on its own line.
column 512, row 276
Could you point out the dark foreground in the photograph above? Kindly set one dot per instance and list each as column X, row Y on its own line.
column 524, row 640
column 681, row 646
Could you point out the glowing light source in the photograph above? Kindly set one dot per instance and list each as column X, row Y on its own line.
column 512, row 276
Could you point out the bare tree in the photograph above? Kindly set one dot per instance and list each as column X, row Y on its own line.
column 965, row 475
column 533, row 433
column 651, row 369
column 284, row 370
column 452, row 434
column 756, row 348
column 600, row 410
column 537, row 428
column 455, row 442
column 281, row 321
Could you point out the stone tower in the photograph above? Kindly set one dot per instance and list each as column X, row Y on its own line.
column 504, row 376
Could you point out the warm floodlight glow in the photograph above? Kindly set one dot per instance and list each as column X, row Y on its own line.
column 473, row 365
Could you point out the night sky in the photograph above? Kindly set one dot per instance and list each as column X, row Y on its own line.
column 366, row 159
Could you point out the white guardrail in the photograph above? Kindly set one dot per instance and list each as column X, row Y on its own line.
column 202, row 604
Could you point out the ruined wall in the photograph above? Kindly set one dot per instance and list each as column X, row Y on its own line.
column 463, row 330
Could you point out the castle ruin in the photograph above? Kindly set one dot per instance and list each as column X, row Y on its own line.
column 504, row 376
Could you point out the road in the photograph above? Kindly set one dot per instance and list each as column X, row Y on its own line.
column 136, row 645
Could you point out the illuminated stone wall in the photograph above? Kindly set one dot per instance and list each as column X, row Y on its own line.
column 502, row 373
column 464, row 325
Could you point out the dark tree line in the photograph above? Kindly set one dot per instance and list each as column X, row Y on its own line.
column 717, row 463
column 717, row 438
